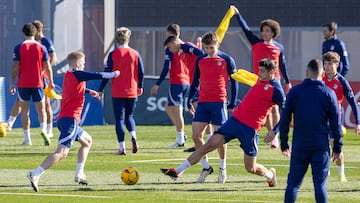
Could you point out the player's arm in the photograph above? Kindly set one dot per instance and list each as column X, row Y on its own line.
column 194, row 84
column 231, row 68
column 286, row 111
column 47, row 68
column 85, row 75
column 164, row 72
column 51, row 50
column 278, row 98
column 166, row 67
column 14, row 73
column 191, row 49
column 335, row 122
column 108, row 68
column 283, row 65
column 140, row 75
column 344, row 59
column 14, row 69
column 252, row 38
column 350, row 97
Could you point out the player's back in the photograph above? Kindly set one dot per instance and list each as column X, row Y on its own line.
column 31, row 56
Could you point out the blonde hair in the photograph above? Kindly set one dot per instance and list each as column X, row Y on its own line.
column 122, row 35
column 73, row 57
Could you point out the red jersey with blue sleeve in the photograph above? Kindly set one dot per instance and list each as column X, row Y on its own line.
column 30, row 54
column 73, row 90
column 128, row 61
column 214, row 72
column 343, row 90
column 258, row 102
column 177, row 66
column 262, row 49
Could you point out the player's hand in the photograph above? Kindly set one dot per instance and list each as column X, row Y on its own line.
column 117, row 73
column 100, row 95
column 191, row 109
column 286, row 152
column 12, row 90
column 337, row 156
column 154, row 90
column 140, row 91
column 94, row 93
column 287, row 87
column 234, row 8
column 269, row 137
column 357, row 130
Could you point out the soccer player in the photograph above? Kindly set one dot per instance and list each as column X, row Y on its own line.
column 267, row 47
column 30, row 58
column 74, row 87
column 342, row 88
column 15, row 110
column 126, row 89
column 191, row 52
column 315, row 108
column 211, row 75
column 179, row 84
column 246, row 121
column 333, row 43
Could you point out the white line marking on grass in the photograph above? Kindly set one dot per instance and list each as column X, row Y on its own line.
column 54, row 195
column 217, row 200
column 167, row 161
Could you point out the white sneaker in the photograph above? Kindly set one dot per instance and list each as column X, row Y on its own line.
column 222, row 176
column 81, row 179
column 177, row 145
column 34, row 180
column 50, row 135
column 272, row 182
column 204, row 173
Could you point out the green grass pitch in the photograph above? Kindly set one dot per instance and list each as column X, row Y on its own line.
column 103, row 169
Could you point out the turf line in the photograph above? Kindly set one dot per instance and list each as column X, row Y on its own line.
column 55, row 195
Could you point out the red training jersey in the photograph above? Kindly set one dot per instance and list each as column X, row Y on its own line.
column 30, row 54
column 256, row 105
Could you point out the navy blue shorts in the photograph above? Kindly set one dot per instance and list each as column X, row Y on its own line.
column 35, row 94
column 177, row 94
column 70, row 131
column 248, row 137
column 211, row 112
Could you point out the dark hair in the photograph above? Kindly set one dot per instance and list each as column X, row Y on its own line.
column 269, row 64
column 169, row 39
column 273, row 24
column 331, row 56
column 332, row 26
column 210, row 38
column 29, row 29
column 173, row 29
column 315, row 66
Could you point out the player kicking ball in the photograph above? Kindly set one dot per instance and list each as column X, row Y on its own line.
column 248, row 118
column 74, row 87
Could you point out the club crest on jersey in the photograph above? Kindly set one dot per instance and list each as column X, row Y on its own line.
column 266, row 87
column 335, row 86
column 219, row 63
column 332, row 47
